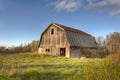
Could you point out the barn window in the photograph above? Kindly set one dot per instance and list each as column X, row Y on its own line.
column 47, row 50
column 52, row 31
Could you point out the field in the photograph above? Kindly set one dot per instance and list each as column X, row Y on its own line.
column 43, row 67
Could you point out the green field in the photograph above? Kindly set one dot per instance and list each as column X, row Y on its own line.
column 43, row 67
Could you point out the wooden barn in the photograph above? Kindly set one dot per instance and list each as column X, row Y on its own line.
column 65, row 41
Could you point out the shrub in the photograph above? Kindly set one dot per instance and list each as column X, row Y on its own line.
column 89, row 53
column 114, row 58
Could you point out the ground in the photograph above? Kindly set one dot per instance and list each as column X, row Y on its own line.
column 28, row 66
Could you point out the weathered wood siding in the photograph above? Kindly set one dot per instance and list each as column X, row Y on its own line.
column 53, row 42
column 75, row 52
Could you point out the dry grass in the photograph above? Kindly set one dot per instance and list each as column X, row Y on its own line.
column 43, row 67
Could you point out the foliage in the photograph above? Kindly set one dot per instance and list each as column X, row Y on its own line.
column 33, row 46
column 113, row 42
column 102, row 52
column 2, row 49
column 114, row 58
column 30, row 47
column 89, row 53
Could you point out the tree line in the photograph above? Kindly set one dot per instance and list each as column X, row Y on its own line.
column 30, row 47
column 108, row 45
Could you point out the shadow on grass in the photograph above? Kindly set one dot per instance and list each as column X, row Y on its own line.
column 54, row 74
column 36, row 75
column 55, row 66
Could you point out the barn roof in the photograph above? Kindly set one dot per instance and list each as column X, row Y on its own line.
column 78, row 38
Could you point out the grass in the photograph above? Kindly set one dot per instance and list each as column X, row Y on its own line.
column 43, row 67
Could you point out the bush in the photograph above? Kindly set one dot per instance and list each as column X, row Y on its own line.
column 90, row 53
column 102, row 52
column 114, row 58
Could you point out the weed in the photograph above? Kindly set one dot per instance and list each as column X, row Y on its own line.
column 44, row 67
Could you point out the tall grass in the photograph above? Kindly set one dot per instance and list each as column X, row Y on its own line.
column 44, row 67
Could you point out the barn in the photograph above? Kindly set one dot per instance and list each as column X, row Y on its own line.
column 60, row 40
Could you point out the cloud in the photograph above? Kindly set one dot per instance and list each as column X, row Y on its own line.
column 115, row 13
column 67, row 5
column 95, row 5
column 112, row 7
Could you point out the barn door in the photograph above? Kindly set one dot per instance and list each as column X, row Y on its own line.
column 62, row 51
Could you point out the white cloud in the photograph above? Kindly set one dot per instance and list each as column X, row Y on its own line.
column 67, row 5
column 115, row 13
column 112, row 7
column 115, row 2
column 92, row 5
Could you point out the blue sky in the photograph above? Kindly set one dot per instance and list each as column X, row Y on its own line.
column 22, row 21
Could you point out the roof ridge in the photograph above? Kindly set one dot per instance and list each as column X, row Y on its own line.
column 72, row 29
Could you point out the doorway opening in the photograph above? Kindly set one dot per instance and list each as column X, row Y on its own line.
column 62, row 51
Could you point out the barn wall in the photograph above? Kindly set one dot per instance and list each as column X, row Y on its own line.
column 67, row 52
column 75, row 52
column 53, row 42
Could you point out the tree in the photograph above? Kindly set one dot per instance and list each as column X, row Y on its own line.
column 33, row 46
column 113, row 42
column 101, row 50
column 100, row 41
column 2, row 49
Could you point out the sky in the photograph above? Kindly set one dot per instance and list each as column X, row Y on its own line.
column 22, row 21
